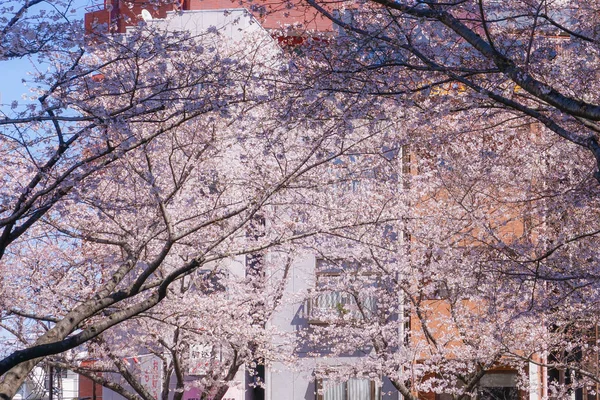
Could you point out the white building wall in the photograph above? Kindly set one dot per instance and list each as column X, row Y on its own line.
column 70, row 386
column 283, row 382
column 232, row 23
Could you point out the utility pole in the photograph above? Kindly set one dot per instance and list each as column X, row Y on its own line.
column 50, row 382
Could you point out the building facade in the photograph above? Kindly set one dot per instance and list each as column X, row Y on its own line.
column 312, row 279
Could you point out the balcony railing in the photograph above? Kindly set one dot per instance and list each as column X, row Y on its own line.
column 338, row 306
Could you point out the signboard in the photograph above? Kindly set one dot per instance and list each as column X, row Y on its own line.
column 151, row 369
column 203, row 358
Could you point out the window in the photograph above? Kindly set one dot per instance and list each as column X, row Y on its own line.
column 438, row 290
column 211, row 281
column 255, row 262
column 406, row 167
column 498, row 386
column 342, row 293
column 345, row 174
column 352, row 389
column 498, row 393
column 337, row 305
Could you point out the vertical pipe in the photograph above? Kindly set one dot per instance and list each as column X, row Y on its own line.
column 50, row 383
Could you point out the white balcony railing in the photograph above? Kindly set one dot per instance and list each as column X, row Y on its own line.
column 338, row 306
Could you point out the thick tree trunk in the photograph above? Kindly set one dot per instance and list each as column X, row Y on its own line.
column 16, row 375
column 14, row 378
column 217, row 392
column 221, row 391
column 17, row 372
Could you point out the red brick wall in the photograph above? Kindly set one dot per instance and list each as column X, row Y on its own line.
column 272, row 14
column 86, row 386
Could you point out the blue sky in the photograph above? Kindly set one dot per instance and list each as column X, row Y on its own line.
column 12, row 72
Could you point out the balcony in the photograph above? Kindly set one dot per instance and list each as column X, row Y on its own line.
column 335, row 307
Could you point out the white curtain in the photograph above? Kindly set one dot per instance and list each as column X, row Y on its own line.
column 353, row 389
column 333, row 391
column 359, row 389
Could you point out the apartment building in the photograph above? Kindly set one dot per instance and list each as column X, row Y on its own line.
column 315, row 276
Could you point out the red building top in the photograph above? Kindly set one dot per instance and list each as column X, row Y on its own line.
column 272, row 14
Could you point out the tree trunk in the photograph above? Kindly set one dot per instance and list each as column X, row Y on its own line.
column 14, row 378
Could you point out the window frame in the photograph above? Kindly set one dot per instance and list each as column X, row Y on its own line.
column 374, row 390
column 323, row 271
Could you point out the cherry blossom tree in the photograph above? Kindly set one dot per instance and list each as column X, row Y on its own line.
column 151, row 162
column 533, row 59
column 496, row 102
column 64, row 282
column 210, row 325
column 177, row 178
column 495, row 272
column 34, row 28
column 482, row 281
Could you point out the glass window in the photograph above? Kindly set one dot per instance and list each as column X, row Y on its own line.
column 342, row 292
column 498, row 393
column 498, row 386
column 352, row 389
column 492, row 386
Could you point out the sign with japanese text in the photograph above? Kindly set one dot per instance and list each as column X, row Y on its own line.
column 151, row 369
column 203, row 358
